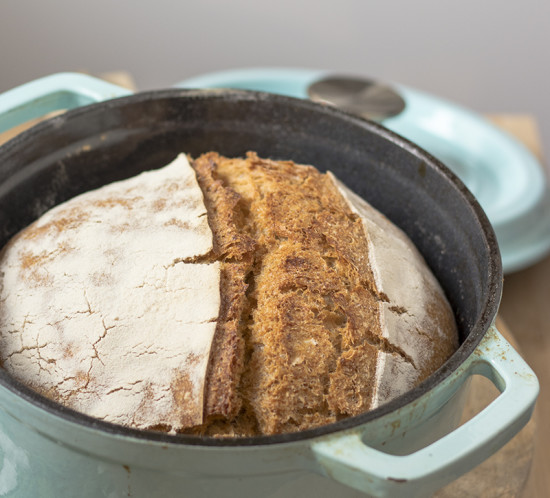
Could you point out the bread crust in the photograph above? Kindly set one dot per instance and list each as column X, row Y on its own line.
column 325, row 309
column 315, row 348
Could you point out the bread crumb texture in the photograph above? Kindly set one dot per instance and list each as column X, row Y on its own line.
column 232, row 297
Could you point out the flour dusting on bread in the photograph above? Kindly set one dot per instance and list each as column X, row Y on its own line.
column 416, row 315
column 101, row 308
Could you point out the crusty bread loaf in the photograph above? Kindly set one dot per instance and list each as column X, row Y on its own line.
column 324, row 308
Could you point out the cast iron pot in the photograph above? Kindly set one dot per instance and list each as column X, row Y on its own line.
column 406, row 447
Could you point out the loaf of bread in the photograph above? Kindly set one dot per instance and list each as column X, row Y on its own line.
column 223, row 297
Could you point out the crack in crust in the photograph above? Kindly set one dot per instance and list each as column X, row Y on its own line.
column 105, row 318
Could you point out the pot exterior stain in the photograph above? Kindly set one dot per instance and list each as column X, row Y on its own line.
column 129, row 472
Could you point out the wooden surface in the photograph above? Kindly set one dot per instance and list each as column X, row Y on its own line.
column 525, row 308
column 525, row 311
column 521, row 468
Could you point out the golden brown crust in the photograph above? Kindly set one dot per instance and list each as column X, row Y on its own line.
column 234, row 248
column 310, row 340
column 226, row 211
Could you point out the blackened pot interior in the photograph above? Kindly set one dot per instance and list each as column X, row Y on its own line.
column 94, row 145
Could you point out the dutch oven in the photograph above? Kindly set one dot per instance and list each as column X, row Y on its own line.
column 407, row 447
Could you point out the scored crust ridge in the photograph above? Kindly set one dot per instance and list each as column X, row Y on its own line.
column 305, row 343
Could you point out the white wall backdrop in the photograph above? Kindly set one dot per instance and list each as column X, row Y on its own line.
column 490, row 55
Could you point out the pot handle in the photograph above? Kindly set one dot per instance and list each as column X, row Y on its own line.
column 350, row 461
column 51, row 93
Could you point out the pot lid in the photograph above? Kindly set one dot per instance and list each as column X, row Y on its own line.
column 503, row 175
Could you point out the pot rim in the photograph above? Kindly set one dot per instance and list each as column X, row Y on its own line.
column 466, row 348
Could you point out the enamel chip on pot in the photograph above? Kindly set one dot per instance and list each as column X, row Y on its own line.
column 226, row 297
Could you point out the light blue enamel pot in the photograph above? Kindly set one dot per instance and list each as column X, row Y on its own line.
column 409, row 447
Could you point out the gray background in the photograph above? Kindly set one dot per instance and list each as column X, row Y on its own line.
column 489, row 55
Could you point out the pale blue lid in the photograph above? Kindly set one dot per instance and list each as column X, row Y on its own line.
column 504, row 176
